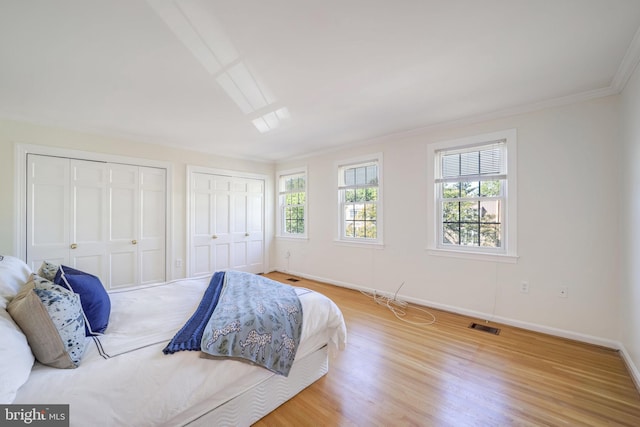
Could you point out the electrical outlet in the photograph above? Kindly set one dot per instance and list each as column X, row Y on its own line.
column 524, row 287
column 179, row 263
column 564, row 292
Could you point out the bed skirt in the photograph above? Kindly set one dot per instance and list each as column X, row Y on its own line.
column 256, row 402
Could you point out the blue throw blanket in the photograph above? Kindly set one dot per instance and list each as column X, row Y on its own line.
column 190, row 336
column 253, row 318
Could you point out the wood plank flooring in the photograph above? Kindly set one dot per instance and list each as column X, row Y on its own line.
column 397, row 374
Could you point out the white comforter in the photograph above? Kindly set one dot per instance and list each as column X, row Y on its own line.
column 139, row 385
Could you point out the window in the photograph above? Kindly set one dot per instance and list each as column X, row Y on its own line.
column 360, row 196
column 474, row 193
column 293, row 204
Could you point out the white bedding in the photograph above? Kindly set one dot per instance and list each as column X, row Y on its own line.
column 144, row 387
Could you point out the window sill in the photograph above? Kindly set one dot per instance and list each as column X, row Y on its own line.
column 294, row 238
column 509, row 259
column 348, row 243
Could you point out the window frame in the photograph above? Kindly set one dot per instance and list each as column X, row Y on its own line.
column 508, row 251
column 281, row 194
column 341, row 187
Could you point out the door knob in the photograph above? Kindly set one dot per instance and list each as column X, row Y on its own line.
column 74, row 246
column 214, row 237
column 246, row 234
column 134, row 242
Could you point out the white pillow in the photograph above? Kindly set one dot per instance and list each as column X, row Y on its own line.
column 16, row 359
column 13, row 274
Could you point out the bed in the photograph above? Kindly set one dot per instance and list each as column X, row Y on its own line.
column 124, row 378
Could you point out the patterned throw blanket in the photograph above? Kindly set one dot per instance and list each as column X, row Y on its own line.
column 255, row 319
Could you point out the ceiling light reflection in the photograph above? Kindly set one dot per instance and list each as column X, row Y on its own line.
column 198, row 29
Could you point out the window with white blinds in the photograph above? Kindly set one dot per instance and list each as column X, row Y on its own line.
column 473, row 188
column 360, row 197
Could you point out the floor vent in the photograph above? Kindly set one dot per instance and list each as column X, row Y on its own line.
column 484, row 328
column 292, row 279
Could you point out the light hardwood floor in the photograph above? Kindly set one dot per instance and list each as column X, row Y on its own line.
column 396, row 374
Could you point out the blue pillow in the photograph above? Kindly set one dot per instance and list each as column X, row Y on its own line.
column 93, row 296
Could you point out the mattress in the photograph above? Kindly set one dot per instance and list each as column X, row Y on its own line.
column 125, row 379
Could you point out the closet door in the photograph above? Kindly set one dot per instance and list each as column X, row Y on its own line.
column 152, row 237
column 137, row 225
column 48, row 210
column 247, row 218
column 66, row 201
column 88, row 228
column 122, row 241
column 210, row 212
column 103, row 218
column 226, row 217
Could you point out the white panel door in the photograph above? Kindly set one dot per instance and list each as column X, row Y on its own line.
column 66, row 204
column 226, row 217
column 88, row 193
column 210, row 223
column 152, row 237
column 103, row 218
column 48, row 210
column 247, row 224
column 255, row 226
column 122, row 240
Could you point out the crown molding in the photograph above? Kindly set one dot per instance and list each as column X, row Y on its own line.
column 628, row 64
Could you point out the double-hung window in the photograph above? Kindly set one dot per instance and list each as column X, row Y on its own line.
column 293, row 204
column 474, row 188
column 360, row 200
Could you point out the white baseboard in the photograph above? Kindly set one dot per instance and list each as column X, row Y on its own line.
column 633, row 369
column 576, row 336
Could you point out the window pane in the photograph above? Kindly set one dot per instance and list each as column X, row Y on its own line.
column 450, row 234
column 349, row 229
column 451, row 190
column 469, row 163
column 451, row 211
column 470, row 189
column 490, row 188
column 350, row 196
column 469, row 212
column 371, row 195
column 361, row 177
column 371, row 230
column 349, row 176
column 491, row 161
column 490, row 235
column 358, row 211
column 287, row 184
column 372, row 175
column 450, row 165
column 469, row 234
column 490, row 211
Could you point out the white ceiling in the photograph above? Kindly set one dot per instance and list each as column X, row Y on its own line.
column 207, row 74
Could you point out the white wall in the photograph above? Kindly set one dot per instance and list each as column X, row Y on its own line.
column 12, row 133
column 568, row 212
column 567, row 226
column 629, row 222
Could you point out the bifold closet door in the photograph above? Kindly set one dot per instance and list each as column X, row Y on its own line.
column 226, row 217
column 103, row 218
column 137, row 217
column 66, row 209
column 247, row 225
